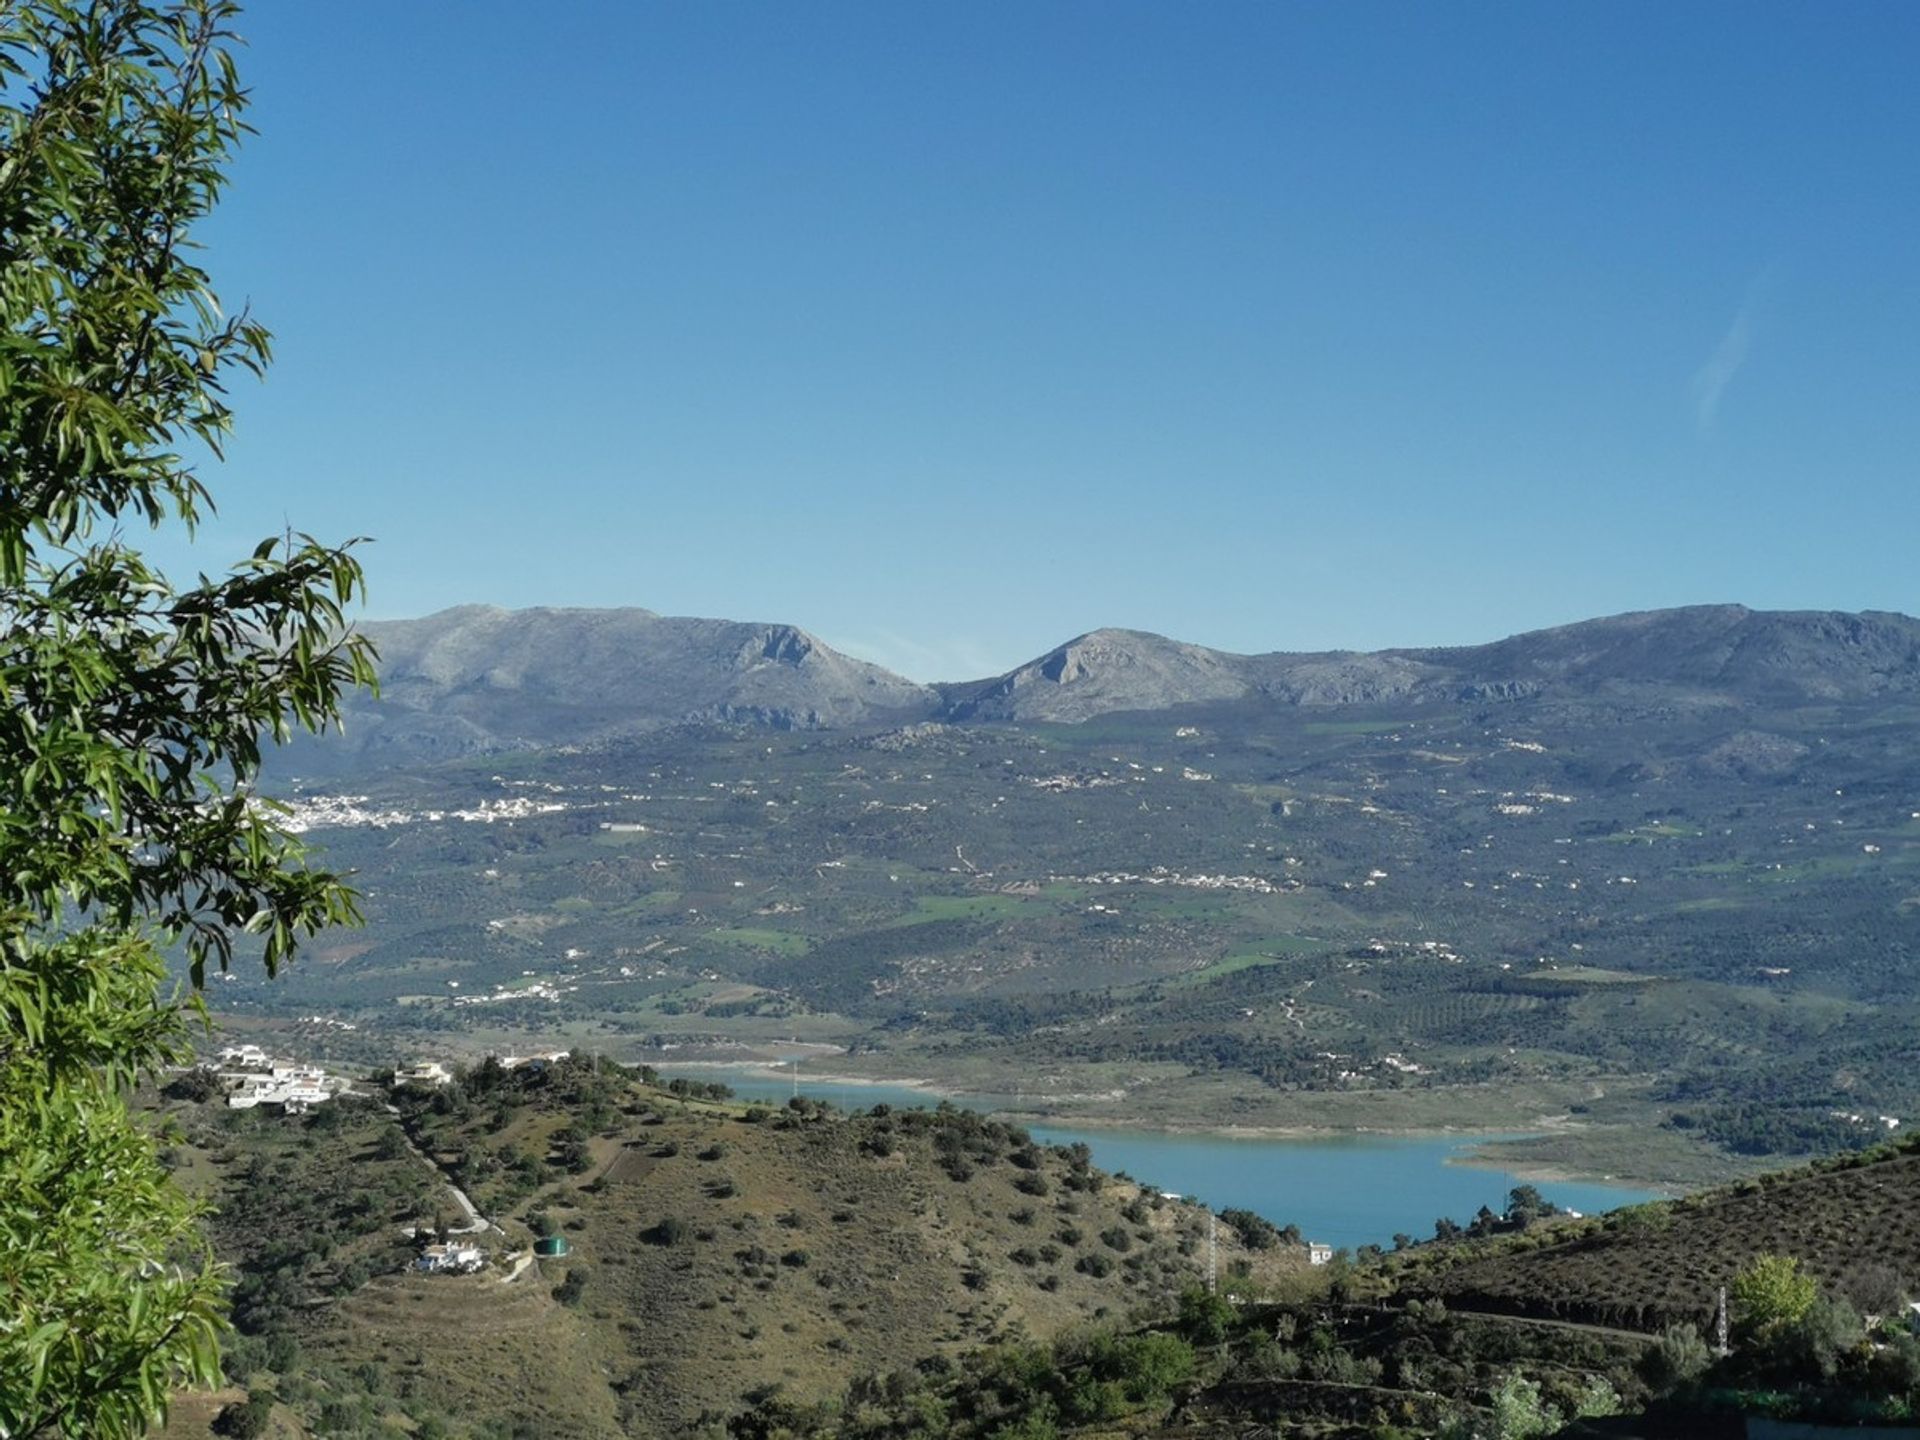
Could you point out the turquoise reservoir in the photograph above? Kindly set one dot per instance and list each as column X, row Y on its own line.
column 1346, row 1190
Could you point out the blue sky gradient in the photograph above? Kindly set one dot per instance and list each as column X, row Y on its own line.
column 949, row 331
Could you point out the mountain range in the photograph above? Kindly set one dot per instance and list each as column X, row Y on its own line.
column 477, row 678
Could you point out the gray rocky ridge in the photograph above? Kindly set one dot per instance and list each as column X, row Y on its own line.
column 478, row 678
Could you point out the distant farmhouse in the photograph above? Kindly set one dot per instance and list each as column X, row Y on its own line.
column 534, row 1062
column 436, row 1072
column 254, row 1078
column 1319, row 1254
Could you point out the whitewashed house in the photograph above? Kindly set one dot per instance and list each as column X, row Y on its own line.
column 450, row 1259
column 297, row 1088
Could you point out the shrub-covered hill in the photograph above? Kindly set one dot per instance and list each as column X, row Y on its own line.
column 1854, row 1222
column 719, row 1254
column 1380, row 1354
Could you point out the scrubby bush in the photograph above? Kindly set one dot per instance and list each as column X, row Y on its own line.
column 1677, row 1358
column 1875, row 1289
column 246, row 1419
column 1895, row 1366
column 196, row 1086
column 1206, row 1318
column 1821, row 1340
column 1517, row 1411
column 1256, row 1232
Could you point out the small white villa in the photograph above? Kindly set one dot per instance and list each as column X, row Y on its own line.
column 254, row 1078
column 450, row 1259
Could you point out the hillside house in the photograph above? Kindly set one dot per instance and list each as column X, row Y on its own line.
column 536, row 1063
column 450, row 1259
column 1319, row 1254
column 296, row 1088
column 424, row 1072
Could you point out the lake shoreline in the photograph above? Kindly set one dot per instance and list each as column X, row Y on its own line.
column 1558, row 1172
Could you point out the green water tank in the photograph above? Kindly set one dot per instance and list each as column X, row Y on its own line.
column 550, row 1245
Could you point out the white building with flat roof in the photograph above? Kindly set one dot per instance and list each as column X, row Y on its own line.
column 450, row 1259
column 297, row 1088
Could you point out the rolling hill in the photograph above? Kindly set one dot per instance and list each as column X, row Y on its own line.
column 740, row 1270
column 719, row 1254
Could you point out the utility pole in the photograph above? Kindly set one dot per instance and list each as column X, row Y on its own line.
column 1720, row 1328
column 796, row 1077
column 1212, row 1252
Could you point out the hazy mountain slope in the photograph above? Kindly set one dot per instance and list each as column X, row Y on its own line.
column 1100, row 672
column 1784, row 656
column 1715, row 652
column 477, row 678
column 480, row 678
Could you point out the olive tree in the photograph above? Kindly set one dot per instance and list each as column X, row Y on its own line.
column 133, row 711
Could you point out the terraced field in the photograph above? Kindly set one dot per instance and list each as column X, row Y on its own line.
column 1665, row 1263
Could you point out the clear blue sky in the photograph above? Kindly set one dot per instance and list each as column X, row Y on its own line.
column 951, row 330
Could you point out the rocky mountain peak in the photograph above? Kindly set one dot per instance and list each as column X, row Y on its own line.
column 478, row 677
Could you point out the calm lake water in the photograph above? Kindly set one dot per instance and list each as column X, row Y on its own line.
column 1346, row 1190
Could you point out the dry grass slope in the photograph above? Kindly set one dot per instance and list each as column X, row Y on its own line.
column 719, row 1254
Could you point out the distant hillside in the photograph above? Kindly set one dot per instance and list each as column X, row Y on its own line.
column 478, row 679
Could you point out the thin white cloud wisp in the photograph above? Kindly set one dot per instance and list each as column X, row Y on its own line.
column 1710, row 381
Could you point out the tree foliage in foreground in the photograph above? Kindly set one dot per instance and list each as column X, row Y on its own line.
column 133, row 710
